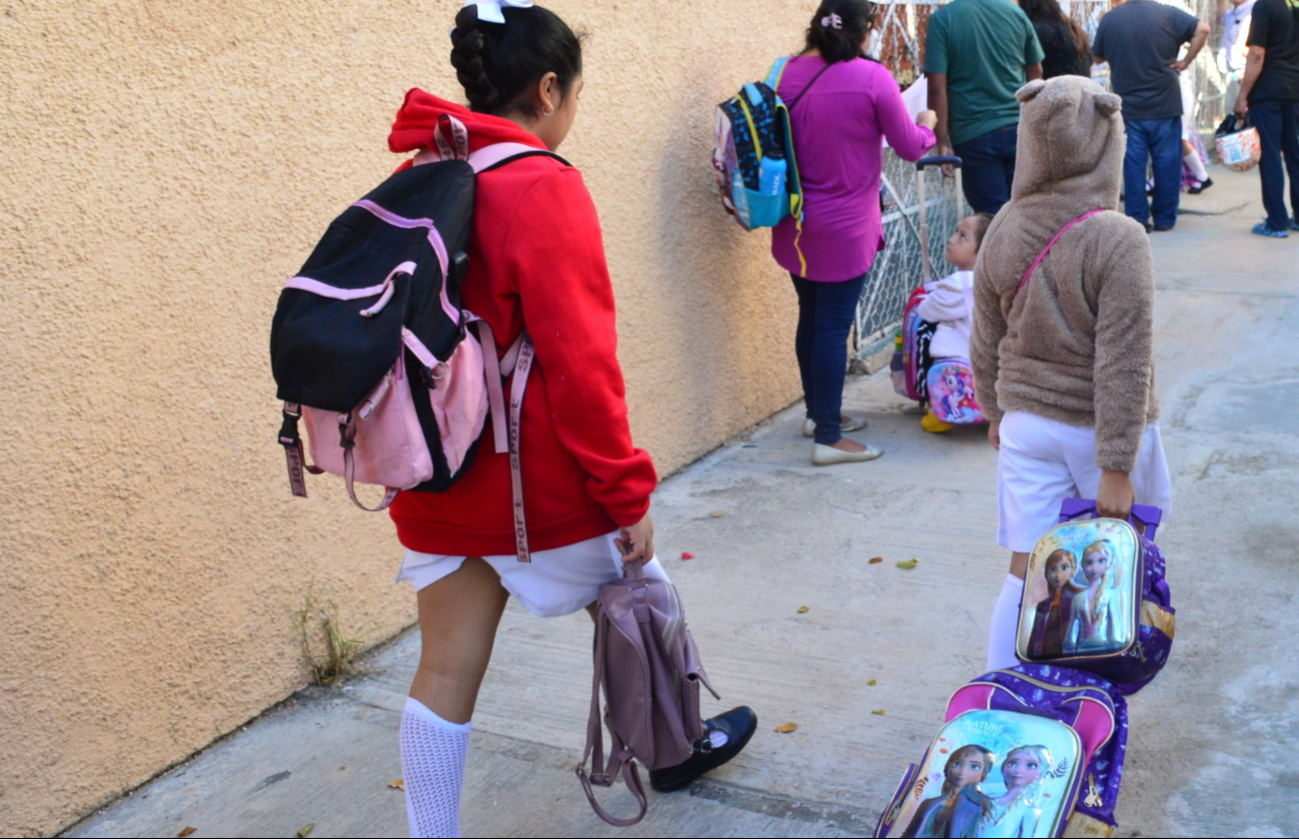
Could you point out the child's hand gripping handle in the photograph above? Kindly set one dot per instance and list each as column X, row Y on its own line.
column 1144, row 514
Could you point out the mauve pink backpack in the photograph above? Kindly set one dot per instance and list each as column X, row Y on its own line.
column 649, row 668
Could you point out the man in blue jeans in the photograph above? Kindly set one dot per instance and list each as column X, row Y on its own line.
column 1269, row 92
column 1140, row 39
column 977, row 54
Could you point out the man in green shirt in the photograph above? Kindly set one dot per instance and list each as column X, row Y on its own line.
column 977, row 54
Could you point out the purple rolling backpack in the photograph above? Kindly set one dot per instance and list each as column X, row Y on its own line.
column 1095, row 597
column 1035, row 750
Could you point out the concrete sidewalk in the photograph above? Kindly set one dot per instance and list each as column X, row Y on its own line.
column 1211, row 750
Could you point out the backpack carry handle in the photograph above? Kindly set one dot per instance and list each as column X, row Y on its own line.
column 1148, row 516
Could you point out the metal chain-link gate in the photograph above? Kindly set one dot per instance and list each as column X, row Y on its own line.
column 897, row 269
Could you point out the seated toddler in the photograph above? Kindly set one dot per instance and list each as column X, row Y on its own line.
column 949, row 302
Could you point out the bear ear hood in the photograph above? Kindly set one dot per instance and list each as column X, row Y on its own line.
column 1071, row 141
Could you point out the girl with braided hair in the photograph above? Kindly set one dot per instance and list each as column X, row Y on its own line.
column 536, row 261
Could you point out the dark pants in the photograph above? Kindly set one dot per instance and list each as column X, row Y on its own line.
column 1157, row 143
column 1277, row 122
column 825, row 316
column 988, row 168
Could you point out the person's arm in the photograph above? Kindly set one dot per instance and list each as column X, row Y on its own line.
column 1034, row 55
column 909, row 139
column 1198, row 40
column 1098, row 46
column 558, row 264
column 1258, row 34
column 938, row 102
column 936, row 73
column 988, row 328
column 1253, row 67
column 944, row 303
column 1122, row 368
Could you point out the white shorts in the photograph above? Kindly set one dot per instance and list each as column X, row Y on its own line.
column 1043, row 461
column 557, row 582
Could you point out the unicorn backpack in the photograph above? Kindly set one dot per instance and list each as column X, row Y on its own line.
column 950, row 387
column 1095, row 597
column 1034, row 750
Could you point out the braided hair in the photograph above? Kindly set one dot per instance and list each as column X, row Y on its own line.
column 498, row 64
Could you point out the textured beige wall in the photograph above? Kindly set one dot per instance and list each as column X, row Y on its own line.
column 165, row 167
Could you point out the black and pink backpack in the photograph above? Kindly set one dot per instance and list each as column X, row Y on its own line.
column 372, row 350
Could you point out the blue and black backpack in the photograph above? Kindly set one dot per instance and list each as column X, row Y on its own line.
column 753, row 153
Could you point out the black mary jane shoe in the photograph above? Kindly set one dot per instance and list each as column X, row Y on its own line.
column 738, row 724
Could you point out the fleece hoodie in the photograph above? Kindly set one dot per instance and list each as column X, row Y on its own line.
column 536, row 260
column 1075, row 345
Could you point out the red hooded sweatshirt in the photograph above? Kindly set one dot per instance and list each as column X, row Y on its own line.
column 536, row 260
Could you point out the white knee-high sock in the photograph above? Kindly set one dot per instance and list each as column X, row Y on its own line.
column 1005, row 621
column 1197, row 166
column 433, row 755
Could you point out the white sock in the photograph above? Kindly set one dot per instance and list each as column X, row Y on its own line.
column 718, row 738
column 1005, row 623
column 433, row 755
column 1197, row 166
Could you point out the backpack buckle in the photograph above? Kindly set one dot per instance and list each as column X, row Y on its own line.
column 346, row 431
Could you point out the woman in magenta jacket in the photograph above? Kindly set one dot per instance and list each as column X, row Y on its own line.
column 846, row 105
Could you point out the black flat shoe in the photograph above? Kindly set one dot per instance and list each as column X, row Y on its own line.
column 1205, row 184
column 738, row 724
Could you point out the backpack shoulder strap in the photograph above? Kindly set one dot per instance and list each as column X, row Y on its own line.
column 804, row 91
column 603, row 774
column 499, row 154
column 1023, row 281
column 776, row 70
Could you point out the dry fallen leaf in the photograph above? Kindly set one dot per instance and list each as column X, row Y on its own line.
column 875, row 559
column 717, row 514
column 803, row 610
column 400, row 783
column 187, row 831
column 787, row 727
column 908, row 564
column 687, row 555
column 872, row 683
column 880, row 712
column 306, row 831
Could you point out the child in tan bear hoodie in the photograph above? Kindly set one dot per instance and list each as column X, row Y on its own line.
column 1061, row 344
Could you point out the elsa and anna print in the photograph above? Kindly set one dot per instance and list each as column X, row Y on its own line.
column 1082, row 610
column 963, row 808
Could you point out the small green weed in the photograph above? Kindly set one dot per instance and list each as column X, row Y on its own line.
column 330, row 650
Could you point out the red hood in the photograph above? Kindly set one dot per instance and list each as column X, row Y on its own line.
column 418, row 118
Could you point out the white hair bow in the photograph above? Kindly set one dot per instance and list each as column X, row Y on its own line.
column 490, row 11
column 832, row 21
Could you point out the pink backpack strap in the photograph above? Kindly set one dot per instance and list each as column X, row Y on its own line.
column 506, row 425
column 1023, row 281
